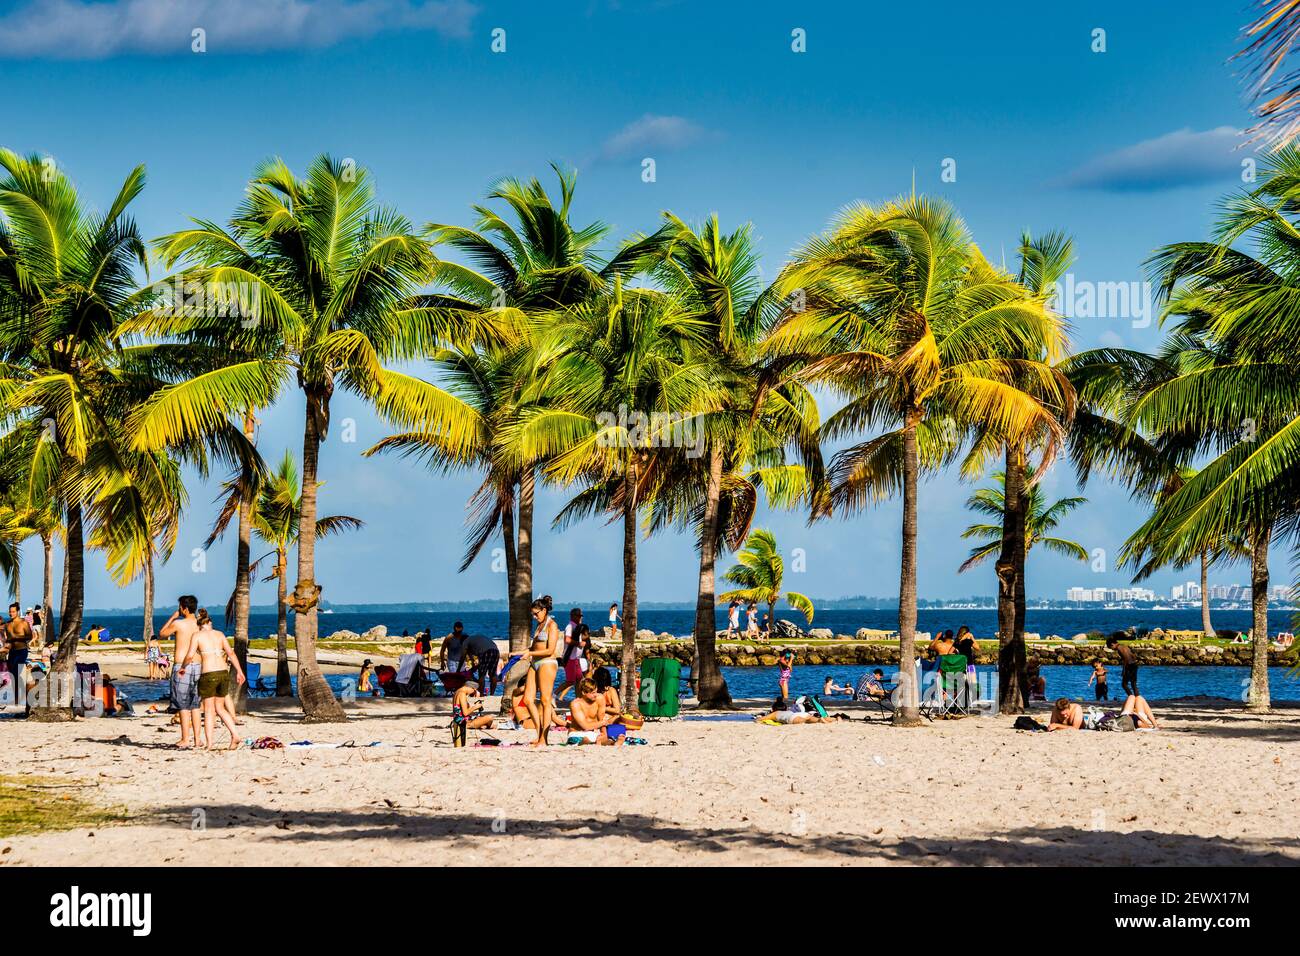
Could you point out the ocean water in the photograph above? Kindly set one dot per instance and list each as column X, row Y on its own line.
column 1063, row 680
column 680, row 622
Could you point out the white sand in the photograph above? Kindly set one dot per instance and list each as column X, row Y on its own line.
column 1213, row 787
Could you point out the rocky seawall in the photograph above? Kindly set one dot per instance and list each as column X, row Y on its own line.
column 879, row 653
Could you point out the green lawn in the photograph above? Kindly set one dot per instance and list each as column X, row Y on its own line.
column 36, row 804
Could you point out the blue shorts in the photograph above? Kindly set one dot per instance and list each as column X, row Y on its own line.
column 614, row 731
column 185, row 688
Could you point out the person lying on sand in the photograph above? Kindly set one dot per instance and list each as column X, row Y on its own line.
column 795, row 717
column 1066, row 715
column 466, row 704
column 590, row 723
column 1138, row 708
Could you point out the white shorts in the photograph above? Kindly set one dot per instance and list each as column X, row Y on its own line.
column 583, row 736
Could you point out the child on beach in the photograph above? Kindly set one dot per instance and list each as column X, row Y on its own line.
column 785, row 670
column 751, row 620
column 1099, row 676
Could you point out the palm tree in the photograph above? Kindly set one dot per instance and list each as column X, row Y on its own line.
column 1270, row 40
column 519, row 274
column 1231, row 393
column 716, row 274
column 276, row 518
column 1040, row 520
column 761, row 574
column 897, row 311
column 620, row 373
column 74, row 376
column 334, row 279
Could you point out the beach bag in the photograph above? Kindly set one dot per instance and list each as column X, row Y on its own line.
column 1122, row 723
column 1025, row 722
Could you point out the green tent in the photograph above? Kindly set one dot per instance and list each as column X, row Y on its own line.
column 660, row 678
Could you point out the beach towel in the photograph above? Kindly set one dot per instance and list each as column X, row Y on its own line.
column 406, row 667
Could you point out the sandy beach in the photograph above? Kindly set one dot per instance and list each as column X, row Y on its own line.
column 1214, row 786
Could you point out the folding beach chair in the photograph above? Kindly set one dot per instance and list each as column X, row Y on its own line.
column 884, row 705
column 946, row 696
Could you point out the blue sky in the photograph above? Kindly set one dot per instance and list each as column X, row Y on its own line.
column 1126, row 149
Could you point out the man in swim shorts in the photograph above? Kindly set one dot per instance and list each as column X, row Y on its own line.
column 182, row 626
column 591, row 725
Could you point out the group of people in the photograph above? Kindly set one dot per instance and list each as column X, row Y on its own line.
column 595, row 715
column 200, row 680
column 752, row 628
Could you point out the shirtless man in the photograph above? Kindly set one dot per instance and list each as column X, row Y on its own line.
column 591, row 724
column 1128, row 675
column 183, row 626
column 17, row 638
column 216, row 657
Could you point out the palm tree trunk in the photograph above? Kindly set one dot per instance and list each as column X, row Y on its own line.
column 1013, row 677
column 521, row 598
column 907, row 711
column 243, row 586
column 627, row 667
column 1206, row 627
column 18, row 581
column 711, row 688
column 318, row 701
column 1257, row 698
column 47, row 595
column 518, row 627
column 59, row 685
column 147, row 631
column 283, row 679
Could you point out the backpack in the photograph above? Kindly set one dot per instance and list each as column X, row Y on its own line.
column 1118, row 722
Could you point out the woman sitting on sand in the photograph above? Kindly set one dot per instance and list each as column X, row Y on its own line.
column 613, row 704
column 1066, row 715
column 216, row 657
column 1138, row 708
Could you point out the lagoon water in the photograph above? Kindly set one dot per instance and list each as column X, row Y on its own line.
column 1156, row 683
column 679, row 622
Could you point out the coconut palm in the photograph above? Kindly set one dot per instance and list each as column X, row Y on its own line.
column 620, row 375
column 1270, row 40
column 333, row 280
column 760, row 575
column 276, row 517
column 716, row 274
column 1040, row 520
column 74, row 375
column 519, row 273
column 1231, row 393
column 897, row 311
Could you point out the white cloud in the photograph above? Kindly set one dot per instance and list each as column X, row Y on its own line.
column 1185, row 157
column 653, row 132
column 78, row 29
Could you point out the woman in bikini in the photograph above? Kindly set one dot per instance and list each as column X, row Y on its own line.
column 216, row 657
column 613, row 705
column 541, row 669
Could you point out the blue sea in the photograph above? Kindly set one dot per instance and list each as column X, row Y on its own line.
column 681, row 622
column 1157, row 683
